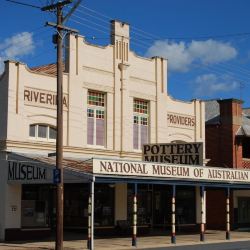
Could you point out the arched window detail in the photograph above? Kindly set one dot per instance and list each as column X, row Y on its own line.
column 43, row 132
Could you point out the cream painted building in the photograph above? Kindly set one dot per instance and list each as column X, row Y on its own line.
column 114, row 102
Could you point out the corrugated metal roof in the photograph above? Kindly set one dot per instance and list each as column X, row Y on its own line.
column 212, row 112
column 244, row 130
column 68, row 163
column 246, row 111
column 50, row 69
column 73, row 164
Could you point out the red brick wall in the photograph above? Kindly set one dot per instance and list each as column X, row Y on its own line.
column 222, row 146
column 224, row 150
column 216, row 209
column 213, row 145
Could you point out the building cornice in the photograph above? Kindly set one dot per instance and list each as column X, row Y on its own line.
column 12, row 145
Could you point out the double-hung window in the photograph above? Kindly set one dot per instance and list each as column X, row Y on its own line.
column 140, row 123
column 96, row 118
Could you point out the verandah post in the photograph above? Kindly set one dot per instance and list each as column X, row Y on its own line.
column 134, row 240
column 90, row 243
column 202, row 233
column 89, row 223
column 173, row 237
column 228, row 213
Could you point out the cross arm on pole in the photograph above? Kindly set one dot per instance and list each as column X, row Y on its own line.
column 62, row 27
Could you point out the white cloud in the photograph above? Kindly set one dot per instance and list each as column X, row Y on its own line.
column 16, row 46
column 212, row 51
column 177, row 54
column 182, row 55
column 210, row 84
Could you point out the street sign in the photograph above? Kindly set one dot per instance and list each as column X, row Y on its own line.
column 56, row 176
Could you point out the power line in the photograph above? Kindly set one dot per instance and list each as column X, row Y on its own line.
column 155, row 37
column 24, row 4
column 146, row 45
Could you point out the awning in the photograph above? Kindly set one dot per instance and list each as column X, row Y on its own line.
column 37, row 169
column 34, row 169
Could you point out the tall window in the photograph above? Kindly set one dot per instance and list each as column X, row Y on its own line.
column 96, row 118
column 140, row 133
column 42, row 132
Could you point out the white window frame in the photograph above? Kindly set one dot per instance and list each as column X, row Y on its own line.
column 140, row 116
column 37, row 138
column 95, row 108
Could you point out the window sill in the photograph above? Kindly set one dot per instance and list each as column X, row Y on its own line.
column 96, row 146
column 137, row 150
column 33, row 139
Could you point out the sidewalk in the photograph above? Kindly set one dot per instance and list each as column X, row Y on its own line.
column 125, row 243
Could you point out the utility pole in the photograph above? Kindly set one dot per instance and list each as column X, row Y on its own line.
column 58, row 39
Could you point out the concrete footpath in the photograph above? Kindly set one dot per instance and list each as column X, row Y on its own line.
column 74, row 241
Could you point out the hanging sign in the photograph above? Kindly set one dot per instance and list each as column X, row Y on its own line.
column 176, row 153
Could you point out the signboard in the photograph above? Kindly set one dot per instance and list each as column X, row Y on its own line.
column 176, row 153
column 27, row 171
column 181, row 120
column 43, row 98
column 18, row 171
column 170, row 171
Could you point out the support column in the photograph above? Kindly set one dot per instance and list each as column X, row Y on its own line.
column 90, row 243
column 202, row 233
column 134, row 240
column 92, row 213
column 89, row 223
column 228, row 213
column 173, row 238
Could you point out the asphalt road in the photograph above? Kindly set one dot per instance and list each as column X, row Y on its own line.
column 240, row 245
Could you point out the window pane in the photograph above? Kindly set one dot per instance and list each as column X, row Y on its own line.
column 52, row 133
column 136, row 119
column 33, row 130
column 100, row 132
column 100, row 114
column 136, row 136
column 90, row 113
column 140, row 106
column 96, row 98
column 42, row 131
column 90, row 131
column 144, row 135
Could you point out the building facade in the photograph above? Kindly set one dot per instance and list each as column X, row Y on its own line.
column 114, row 102
column 227, row 146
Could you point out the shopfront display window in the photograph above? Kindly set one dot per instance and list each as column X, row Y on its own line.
column 243, row 210
column 35, row 206
column 76, row 205
column 185, row 205
column 104, row 205
column 144, row 201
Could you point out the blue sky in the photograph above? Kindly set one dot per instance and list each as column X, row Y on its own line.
column 206, row 42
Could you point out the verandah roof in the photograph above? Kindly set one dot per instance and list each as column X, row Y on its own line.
column 78, row 170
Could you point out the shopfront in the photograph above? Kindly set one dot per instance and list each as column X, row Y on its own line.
column 156, row 185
